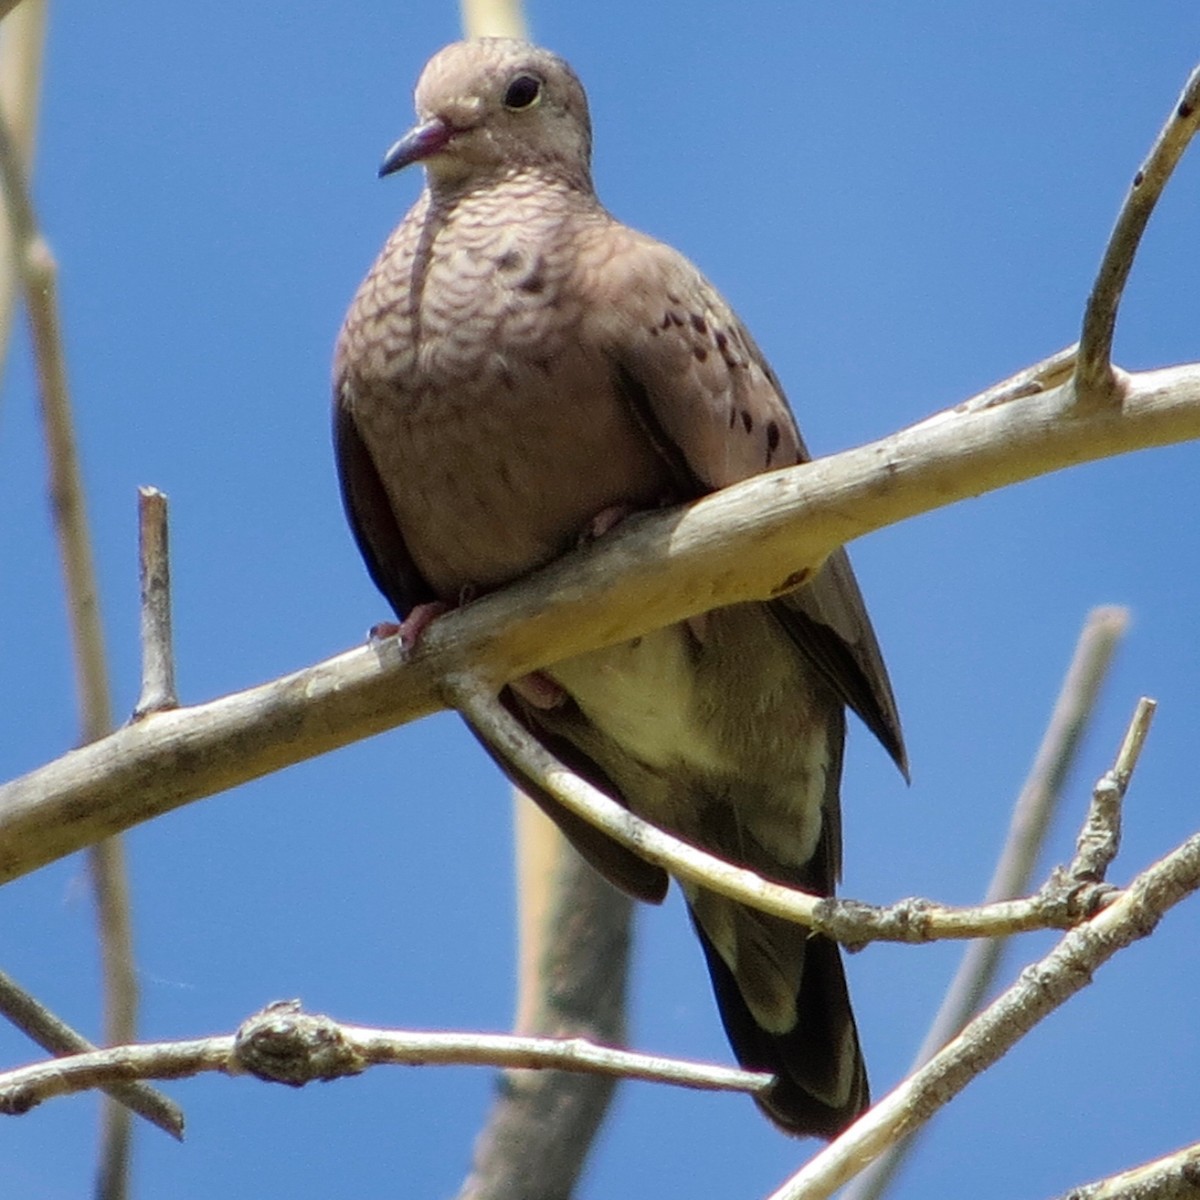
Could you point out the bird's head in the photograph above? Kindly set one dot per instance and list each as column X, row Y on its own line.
column 495, row 106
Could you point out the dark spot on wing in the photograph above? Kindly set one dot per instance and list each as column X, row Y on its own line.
column 722, row 340
column 772, row 437
column 699, row 324
column 700, row 353
column 747, row 420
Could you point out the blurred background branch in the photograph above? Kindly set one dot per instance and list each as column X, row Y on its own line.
column 35, row 272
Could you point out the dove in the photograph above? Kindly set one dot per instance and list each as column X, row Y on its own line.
column 519, row 372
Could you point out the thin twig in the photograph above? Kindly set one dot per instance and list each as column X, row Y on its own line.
column 154, row 558
column 52, row 1033
column 1040, row 990
column 105, row 859
column 848, row 921
column 282, row 1044
column 1101, row 835
column 1014, row 870
column 1094, row 371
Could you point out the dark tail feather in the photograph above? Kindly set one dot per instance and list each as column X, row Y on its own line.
column 821, row 1079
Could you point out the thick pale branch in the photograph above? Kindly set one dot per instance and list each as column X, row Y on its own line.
column 743, row 543
column 285, row 1045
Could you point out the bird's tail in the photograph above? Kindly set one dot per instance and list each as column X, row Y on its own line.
column 821, row 1079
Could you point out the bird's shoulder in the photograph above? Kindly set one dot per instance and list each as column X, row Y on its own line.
column 688, row 363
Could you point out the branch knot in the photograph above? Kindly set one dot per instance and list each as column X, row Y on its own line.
column 283, row 1044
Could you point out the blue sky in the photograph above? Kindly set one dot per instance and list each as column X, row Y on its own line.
column 905, row 203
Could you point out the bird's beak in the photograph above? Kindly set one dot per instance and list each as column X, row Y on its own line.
column 417, row 144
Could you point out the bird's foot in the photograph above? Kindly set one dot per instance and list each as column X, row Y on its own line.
column 412, row 628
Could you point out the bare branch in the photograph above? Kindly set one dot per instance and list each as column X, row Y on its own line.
column 154, row 557
column 1041, row 989
column 1094, row 370
column 55, row 1035
column 743, row 543
column 1014, row 871
column 1060, row 904
column 282, row 1044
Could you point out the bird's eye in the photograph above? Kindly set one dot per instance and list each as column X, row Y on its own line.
column 523, row 91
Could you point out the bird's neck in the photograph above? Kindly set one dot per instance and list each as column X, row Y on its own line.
column 447, row 192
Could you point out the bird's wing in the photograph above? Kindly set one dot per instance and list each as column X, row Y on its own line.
column 707, row 398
